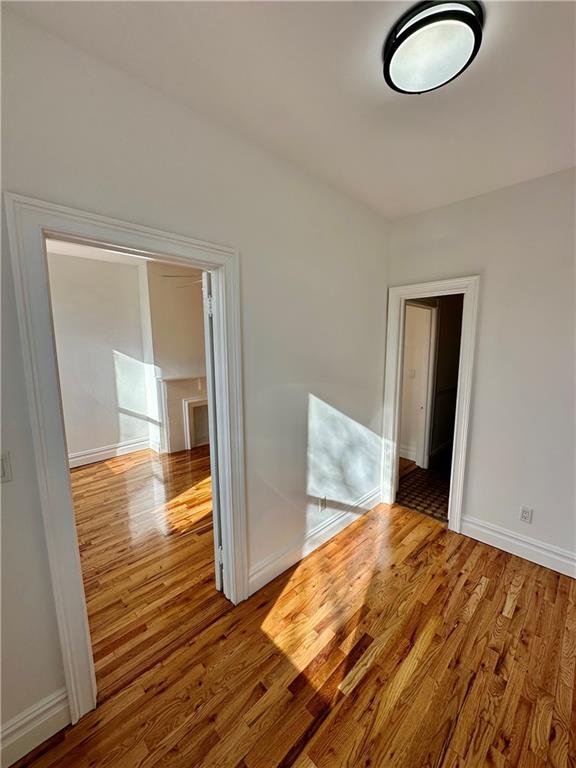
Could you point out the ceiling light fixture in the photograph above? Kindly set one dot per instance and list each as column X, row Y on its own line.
column 431, row 44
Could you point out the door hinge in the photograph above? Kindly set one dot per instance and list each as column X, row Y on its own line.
column 220, row 556
column 210, row 306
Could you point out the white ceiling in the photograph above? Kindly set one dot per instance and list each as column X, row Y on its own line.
column 81, row 251
column 304, row 80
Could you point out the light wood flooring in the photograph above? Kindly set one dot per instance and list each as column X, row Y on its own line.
column 145, row 532
column 405, row 466
column 398, row 643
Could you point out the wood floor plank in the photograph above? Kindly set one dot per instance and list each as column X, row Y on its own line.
column 398, row 644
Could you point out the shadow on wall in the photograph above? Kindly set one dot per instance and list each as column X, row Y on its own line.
column 343, row 456
column 342, row 471
column 314, row 492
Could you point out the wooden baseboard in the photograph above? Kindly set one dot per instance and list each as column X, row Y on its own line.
column 27, row 730
column 273, row 566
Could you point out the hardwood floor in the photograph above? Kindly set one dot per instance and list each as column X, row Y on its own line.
column 145, row 532
column 405, row 466
column 398, row 643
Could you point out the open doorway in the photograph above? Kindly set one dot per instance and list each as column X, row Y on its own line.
column 131, row 342
column 431, row 354
column 440, row 438
column 30, row 222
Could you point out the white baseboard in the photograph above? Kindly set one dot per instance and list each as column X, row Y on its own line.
column 405, row 452
column 555, row 558
column 273, row 566
column 30, row 728
column 92, row 455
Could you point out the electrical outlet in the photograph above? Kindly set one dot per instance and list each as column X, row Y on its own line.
column 526, row 514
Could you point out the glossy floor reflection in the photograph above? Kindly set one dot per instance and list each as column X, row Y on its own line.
column 145, row 531
column 397, row 644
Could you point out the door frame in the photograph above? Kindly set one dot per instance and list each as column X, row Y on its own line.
column 29, row 221
column 397, row 298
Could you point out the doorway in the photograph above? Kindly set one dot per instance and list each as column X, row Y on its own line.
column 30, row 224
column 437, row 415
column 130, row 337
column 431, row 353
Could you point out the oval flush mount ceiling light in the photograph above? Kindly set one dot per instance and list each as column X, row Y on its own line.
column 432, row 44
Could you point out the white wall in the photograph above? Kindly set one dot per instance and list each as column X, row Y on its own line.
column 313, row 272
column 97, row 324
column 177, row 318
column 521, row 242
column 177, row 326
column 31, row 658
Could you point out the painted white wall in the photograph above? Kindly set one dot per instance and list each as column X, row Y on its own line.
column 520, row 241
column 177, row 318
column 31, row 659
column 97, row 324
column 414, row 379
column 172, row 296
column 313, row 272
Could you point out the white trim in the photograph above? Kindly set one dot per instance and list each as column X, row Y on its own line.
column 406, row 452
column 397, row 297
column 33, row 726
column 277, row 563
column 189, row 429
column 208, row 312
column 556, row 558
column 162, row 396
column 92, row 455
column 29, row 222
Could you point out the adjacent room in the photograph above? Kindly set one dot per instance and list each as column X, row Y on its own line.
column 288, row 384
column 431, row 356
column 129, row 335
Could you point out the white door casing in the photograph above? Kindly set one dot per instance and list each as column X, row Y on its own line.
column 29, row 222
column 397, row 298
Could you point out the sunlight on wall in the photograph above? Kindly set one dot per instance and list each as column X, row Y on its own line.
column 343, row 465
column 343, row 455
column 151, row 374
column 135, row 394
